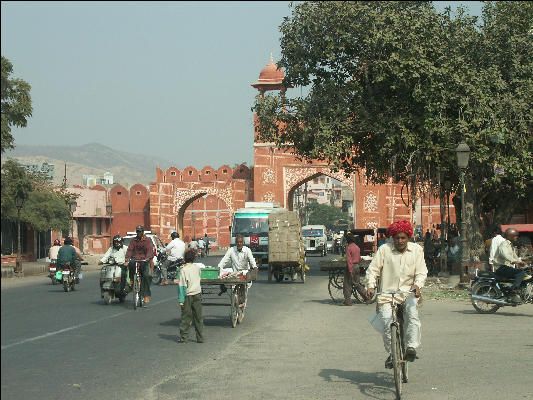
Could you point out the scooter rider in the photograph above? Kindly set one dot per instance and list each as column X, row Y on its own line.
column 52, row 253
column 116, row 252
column 176, row 251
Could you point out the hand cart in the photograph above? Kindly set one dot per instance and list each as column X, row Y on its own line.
column 237, row 290
column 292, row 269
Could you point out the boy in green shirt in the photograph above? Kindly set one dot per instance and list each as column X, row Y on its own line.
column 190, row 298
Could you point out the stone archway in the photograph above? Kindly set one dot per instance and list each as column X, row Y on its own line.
column 295, row 176
column 183, row 198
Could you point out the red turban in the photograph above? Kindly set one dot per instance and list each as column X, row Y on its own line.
column 399, row 227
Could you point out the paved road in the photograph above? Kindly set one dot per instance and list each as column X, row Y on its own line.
column 293, row 344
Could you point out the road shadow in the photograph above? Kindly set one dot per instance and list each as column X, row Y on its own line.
column 503, row 313
column 171, row 322
column 208, row 321
column 165, row 336
column 332, row 303
column 378, row 385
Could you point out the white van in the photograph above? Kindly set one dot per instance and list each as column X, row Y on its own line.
column 315, row 239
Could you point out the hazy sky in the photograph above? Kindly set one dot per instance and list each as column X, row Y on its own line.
column 169, row 79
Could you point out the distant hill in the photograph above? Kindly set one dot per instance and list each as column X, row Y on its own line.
column 91, row 159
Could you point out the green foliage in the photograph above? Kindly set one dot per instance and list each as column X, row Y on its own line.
column 324, row 214
column 44, row 208
column 395, row 86
column 16, row 104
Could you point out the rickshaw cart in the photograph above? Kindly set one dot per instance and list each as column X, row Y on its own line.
column 237, row 289
column 335, row 270
column 293, row 269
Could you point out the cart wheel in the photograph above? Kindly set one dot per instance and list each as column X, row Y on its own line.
column 335, row 288
column 279, row 275
column 234, row 308
column 302, row 272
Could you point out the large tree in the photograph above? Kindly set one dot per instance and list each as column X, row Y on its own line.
column 16, row 104
column 44, row 208
column 395, row 86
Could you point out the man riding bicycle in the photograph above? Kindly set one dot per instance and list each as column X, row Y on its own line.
column 401, row 266
column 140, row 248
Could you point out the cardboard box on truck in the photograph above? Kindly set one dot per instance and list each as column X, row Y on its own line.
column 285, row 237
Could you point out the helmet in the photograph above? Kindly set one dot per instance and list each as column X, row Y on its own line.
column 139, row 228
column 117, row 238
column 57, row 242
column 174, row 235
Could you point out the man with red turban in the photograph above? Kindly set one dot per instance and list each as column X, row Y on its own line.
column 401, row 266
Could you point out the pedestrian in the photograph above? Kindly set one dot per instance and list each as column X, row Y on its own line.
column 429, row 253
column 190, row 298
column 206, row 244
column 351, row 270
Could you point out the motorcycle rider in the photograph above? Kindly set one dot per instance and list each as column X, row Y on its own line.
column 401, row 266
column 117, row 252
column 68, row 254
column 140, row 248
column 176, row 251
column 508, row 263
column 52, row 253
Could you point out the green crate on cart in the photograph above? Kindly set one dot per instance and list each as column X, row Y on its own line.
column 209, row 273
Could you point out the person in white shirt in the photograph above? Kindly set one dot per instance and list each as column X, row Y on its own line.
column 176, row 251
column 52, row 253
column 193, row 244
column 401, row 266
column 508, row 263
column 494, row 244
column 116, row 254
column 240, row 257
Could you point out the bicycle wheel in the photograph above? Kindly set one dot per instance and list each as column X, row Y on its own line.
column 396, row 355
column 136, row 291
column 335, row 288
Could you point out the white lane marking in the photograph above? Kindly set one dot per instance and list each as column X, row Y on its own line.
column 78, row 326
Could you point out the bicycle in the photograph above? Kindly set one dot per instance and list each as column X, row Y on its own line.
column 138, row 300
column 398, row 342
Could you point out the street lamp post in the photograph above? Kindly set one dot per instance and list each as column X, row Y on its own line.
column 19, row 203
column 72, row 205
column 463, row 154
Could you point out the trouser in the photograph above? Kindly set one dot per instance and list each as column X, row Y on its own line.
column 412, row 328
column 352, row 280
column 77, row 267
column 123, row 273
column 192, row 310
column 146, row 277
column 510, row 272
column 207, row 251
column 164, row 268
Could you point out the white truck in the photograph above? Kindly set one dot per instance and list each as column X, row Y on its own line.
column 252, row 223
column 315, row 239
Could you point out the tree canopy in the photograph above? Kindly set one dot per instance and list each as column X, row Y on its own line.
column 325, row 214
column 16, row 104
column 394, row 87
column 44, row 208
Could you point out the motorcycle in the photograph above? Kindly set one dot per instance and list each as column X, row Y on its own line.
column 172, row 270
column 68, row 277
column 110, row 282
column 52, row 269
column 201, row 252
column 490, row 291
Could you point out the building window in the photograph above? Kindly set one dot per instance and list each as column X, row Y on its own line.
column 119, row 193
column 224, row 171
column 173, row 173
column 99, row 227
column 137, row 193
column 207, row 172
column 190, row 172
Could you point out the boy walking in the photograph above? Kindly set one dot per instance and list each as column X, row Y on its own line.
column 190, row 298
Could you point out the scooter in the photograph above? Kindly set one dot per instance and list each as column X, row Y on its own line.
column 52, row 269
column 67, row 276
column 110, row 282
column 172, row 270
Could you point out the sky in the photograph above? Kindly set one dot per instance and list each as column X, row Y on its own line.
column 166, row 79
